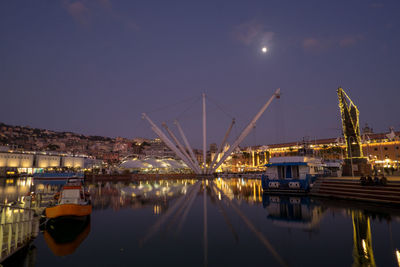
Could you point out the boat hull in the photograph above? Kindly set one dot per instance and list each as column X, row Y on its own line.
column 68, row 210
column 286, row 185
column 61, row 176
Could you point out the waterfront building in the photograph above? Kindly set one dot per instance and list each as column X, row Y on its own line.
column 381, row 149
column 28, row 162
column 16, row 160
column 157, row 148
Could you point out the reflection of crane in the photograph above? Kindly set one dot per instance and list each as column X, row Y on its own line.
column 351, row 126
column 363, row 254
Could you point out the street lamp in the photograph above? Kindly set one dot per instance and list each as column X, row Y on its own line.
column 383, row 160
column 351, row 156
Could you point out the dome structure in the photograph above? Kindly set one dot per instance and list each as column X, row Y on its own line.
column 154, row 165
column 134, row 164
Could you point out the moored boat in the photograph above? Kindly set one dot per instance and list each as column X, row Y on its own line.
column 291, row 174
column 58, row 176
column 72, row 201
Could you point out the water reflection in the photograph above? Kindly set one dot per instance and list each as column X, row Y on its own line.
column 176, row 210
column 248, row 190
column 63, row 236
column 12, row 189
column 293, row 211
column 137, row 195
column 363, row 254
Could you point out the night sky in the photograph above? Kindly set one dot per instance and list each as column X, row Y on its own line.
column 94, row 66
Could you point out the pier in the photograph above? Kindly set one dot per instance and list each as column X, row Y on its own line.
column 18, row 227
column 350, row 188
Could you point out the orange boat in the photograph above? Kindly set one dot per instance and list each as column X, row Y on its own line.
column 72, row 201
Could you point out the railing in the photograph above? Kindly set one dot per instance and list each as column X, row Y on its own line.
column 18, row 227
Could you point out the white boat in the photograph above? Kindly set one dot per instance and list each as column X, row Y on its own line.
column 291, row 174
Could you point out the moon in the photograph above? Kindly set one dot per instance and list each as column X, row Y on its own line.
column 264, row 49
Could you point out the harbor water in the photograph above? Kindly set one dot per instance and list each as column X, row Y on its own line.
column 216, row 222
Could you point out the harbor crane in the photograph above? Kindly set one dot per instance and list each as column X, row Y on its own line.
column 354, row 162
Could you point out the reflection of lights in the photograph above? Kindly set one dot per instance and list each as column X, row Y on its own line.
column 364, row 245
column 219, row 195
column 156, row 209
column 398, row 257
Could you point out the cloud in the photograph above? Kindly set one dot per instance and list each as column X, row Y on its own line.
column 316, row 44
column 321, row 44
column 78, row 11
column 376, row 5
column 350, row 40
column 82, row 10
column 310, row 43
column 252, row 32
column 105, row 3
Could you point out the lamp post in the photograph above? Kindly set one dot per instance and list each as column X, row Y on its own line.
column 351, row 156
column 383, row 160
column 367, row 141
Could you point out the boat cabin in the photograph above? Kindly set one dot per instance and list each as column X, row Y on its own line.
column 291, row 173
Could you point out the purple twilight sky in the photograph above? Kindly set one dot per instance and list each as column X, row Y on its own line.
column 93, row 66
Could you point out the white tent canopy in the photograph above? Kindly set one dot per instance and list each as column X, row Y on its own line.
column 152, row 164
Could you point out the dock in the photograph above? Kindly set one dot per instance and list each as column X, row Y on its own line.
column 18, row 227
column 138, row 177
column 350, row 188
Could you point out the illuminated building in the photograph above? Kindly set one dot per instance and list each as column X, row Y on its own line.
column 30, row 162
column 380, row 149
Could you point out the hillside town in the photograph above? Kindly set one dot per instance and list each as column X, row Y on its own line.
column 382, row 149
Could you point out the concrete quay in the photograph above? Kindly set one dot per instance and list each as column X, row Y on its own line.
column 351, row 189
column 137, row 177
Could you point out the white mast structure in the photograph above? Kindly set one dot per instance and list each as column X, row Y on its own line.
column 220, row 149
column 188, row 147
column 246, row 131
column 168, row 142
column 204, row 134
column 182, row 149
column 192, row 162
